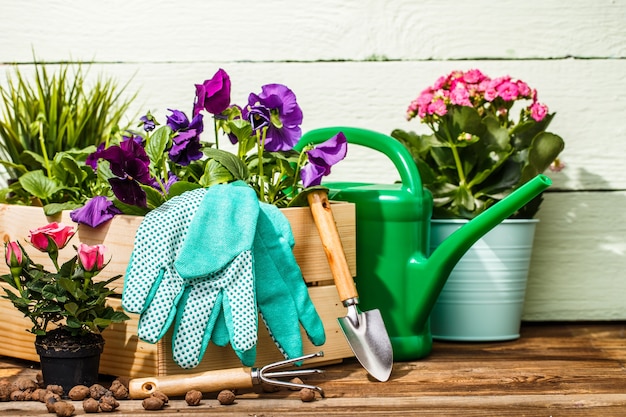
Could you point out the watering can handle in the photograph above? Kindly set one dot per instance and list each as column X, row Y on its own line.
column 394, row 150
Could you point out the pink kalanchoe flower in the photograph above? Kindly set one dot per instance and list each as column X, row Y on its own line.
column 91, row 258
column 58, row 233
column 473, row 76
column 460, row 96
column 538, row 111
column 438, row 107
column 507, row 91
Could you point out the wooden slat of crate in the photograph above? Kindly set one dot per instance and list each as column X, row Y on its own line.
column 124, row 354
column 118, row 235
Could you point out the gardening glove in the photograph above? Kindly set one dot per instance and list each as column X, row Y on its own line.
column 281, row 292
column 152, row 287
column 216, row 263
column 282, row 296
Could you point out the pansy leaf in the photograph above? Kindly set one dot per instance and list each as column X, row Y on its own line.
column 38, row 184
column 156, row 145
column 215, row 173
column 179, row 187
column 234, row 165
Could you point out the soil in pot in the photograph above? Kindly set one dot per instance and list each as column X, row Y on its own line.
column 68, row 360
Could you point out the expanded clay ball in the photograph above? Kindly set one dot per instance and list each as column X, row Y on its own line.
column 48, row 395
column 18, row 395
column 193, row 397
column 152, row 403
column 161, row 395
column 295, row 380
column 226, row 397
column 25, row 384
column 90, row 405
column 57, row 389
column 64, row 409
column 108, row 403
column 119, row 390
column 96, row 391
column 79, row 393
column 51, row 400
column 307, row 395
column 5, row 389
column 39, row 395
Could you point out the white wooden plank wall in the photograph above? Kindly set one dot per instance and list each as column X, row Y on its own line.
column 360, row 63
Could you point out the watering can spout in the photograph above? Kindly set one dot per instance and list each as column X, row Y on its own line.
column 443, row 260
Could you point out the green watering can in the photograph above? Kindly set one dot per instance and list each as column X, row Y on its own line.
column 395, row 272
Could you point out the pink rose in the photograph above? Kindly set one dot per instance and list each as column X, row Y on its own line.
column 13, row 254
column 538, row 111
column 59, row 233
column 91, row 258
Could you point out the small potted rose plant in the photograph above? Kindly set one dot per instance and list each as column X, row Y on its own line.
column 67, row 307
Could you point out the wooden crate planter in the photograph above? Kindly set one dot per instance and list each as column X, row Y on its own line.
column 124, row 354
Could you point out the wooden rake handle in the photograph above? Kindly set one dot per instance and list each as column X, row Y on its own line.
column 178, row 385
column 327, row 228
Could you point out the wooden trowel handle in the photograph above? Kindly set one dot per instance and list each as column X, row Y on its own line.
column 327, row 228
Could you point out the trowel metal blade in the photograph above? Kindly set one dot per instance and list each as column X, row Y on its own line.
column 368, row 339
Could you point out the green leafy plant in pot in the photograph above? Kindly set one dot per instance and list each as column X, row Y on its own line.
column 478, row 151
column 68, row 299
column 50, row 124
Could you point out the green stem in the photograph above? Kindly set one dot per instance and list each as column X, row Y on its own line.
column 457, row 161
column 260, row 149
column 86, row 280
column 455, row 154
column 44, row 152
column 301, row 157
column 215, row 130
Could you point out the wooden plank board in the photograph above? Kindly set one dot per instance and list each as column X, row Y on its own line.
column 313, row 31
column 118, row 236
column 556, row 369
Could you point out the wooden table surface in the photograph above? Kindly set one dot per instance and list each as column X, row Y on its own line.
column 555, row 369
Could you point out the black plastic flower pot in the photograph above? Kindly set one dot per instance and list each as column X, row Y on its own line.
column 69, row 361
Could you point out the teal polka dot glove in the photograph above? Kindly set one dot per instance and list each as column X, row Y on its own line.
column 152, row 287
column 281, row 293
column 202, row 235
column 216, row 262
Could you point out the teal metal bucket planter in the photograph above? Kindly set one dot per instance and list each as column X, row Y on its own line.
column 483, row 297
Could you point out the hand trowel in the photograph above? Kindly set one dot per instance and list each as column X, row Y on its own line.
column 365, row 331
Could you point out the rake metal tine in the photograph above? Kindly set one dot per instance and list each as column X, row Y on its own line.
column 262, row 375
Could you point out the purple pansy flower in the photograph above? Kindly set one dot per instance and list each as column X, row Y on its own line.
column 96, row 211
column 148, row 122
column 321, row 158
column 92, row 158
column 213, row 95
column 130, row 163
column 186, row 143
column 275, row 108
